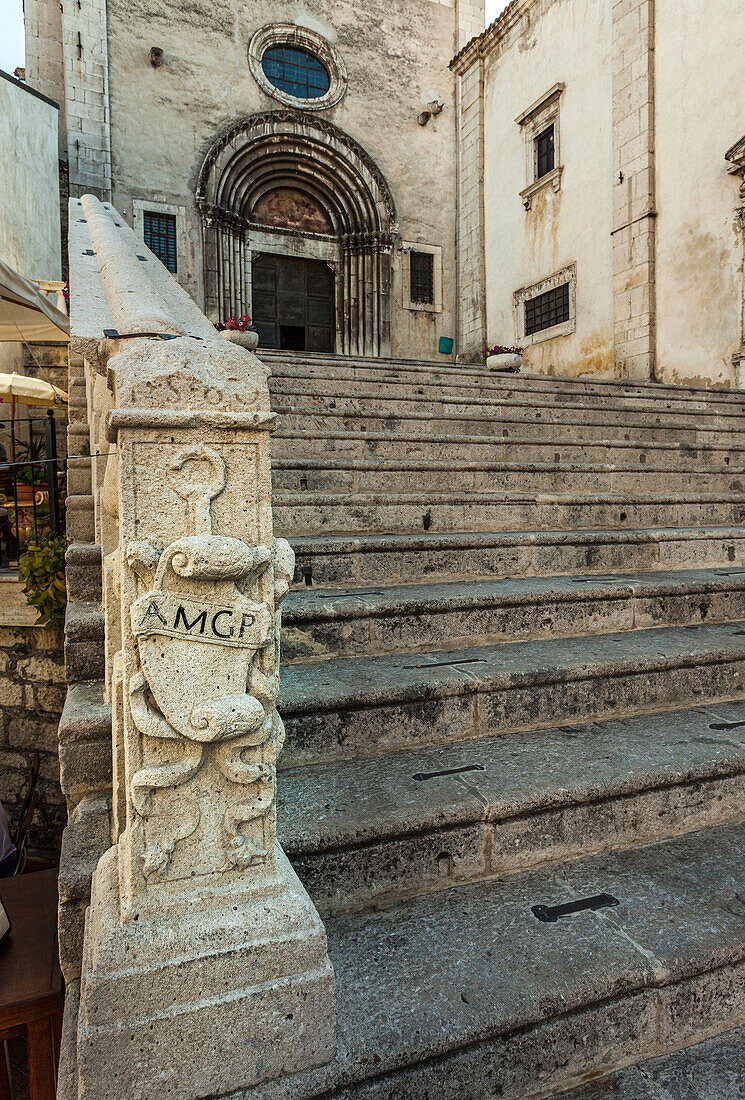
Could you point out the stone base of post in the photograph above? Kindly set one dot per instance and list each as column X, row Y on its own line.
column 223, row 994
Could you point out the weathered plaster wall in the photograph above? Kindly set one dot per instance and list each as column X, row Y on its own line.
column 164, row 119
column 557, row 41
column 29, row 183
column 700, row 113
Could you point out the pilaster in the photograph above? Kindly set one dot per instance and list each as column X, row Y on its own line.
column 470, row 243
column 634, row 203
column 735, row 157
column 470, row 20
column 86, row 78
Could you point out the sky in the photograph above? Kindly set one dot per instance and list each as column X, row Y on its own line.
column 11, row 30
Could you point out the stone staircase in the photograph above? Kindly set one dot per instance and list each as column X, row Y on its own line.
column 512, row 675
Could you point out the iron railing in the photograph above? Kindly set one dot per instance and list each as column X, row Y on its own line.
column 32, row 486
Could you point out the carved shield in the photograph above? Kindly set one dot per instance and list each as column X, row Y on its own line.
column 196, row 655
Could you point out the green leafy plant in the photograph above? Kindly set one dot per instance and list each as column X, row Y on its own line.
column 32, row 475
column 42, row 569
column 33, row 452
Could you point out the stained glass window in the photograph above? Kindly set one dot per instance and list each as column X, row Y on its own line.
column 296, row 72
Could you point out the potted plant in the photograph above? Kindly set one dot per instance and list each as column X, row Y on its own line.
column 33, row 473
column 241, row 331
column 506, row 359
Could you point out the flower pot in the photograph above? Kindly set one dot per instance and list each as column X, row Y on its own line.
column 506, row 360
column 24, row 493
column 249, row 339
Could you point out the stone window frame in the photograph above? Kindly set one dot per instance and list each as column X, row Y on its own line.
column 434, row 250
column 288, row 34
column 539, row 116
column 139, row 206
column 568, row 275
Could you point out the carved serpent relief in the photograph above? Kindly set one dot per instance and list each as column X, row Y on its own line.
column 201, row 683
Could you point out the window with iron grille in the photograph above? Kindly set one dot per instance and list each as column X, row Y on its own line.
column 544, row 153
column 296, row 72
column 160, row 237
column 546, row 310
column 422, row 278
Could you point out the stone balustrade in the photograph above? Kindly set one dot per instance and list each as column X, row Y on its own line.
column 197, row 925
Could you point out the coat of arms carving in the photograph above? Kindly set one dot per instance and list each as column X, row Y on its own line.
column 200, row 634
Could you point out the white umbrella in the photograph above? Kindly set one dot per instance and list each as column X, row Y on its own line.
column 19, row 389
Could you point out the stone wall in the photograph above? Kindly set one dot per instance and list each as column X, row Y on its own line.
column 32, row 694
column 42, row 21
column 646, row 208
column 699, row 114
column 532, row 233
column 84, row 35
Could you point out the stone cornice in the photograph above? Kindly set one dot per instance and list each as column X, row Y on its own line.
column 484, row 42
column 736, row 156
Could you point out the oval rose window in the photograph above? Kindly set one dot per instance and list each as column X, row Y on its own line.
column 296, row 72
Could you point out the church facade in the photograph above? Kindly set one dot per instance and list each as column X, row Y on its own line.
column 392, row 180
column 602, row 161
column 291, row 161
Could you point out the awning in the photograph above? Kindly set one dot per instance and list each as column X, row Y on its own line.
column 27, row 314
column 21, row 390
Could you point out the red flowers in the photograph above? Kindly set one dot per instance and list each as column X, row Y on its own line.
column 237, row 324
column 499, row 350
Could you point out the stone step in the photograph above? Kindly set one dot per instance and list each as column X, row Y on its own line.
column 300, row 417
column 84, row 641
column 83, row 572
column 329, row 623
column 307, row 513
column 289, row 444
column 364, row 706
column 713, row 1069
column 347, row 475
column 350, row 367
column 486, row 390
column 384, row 398
column 328, row 560
column 85, row 744
column 463, row 993
column 367, row 832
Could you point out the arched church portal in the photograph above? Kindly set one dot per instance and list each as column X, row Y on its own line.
column 298, row 226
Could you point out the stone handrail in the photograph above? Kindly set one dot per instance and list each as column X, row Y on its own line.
column 197, row 923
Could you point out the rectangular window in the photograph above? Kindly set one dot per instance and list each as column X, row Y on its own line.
column 160, row 237
column 422, row 277
column 544, row 153
column 546, row 310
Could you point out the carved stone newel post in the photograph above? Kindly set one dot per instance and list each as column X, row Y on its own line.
column 205, row 964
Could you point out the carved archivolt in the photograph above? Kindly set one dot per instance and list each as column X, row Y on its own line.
column 261, row 153
column 227, row 177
